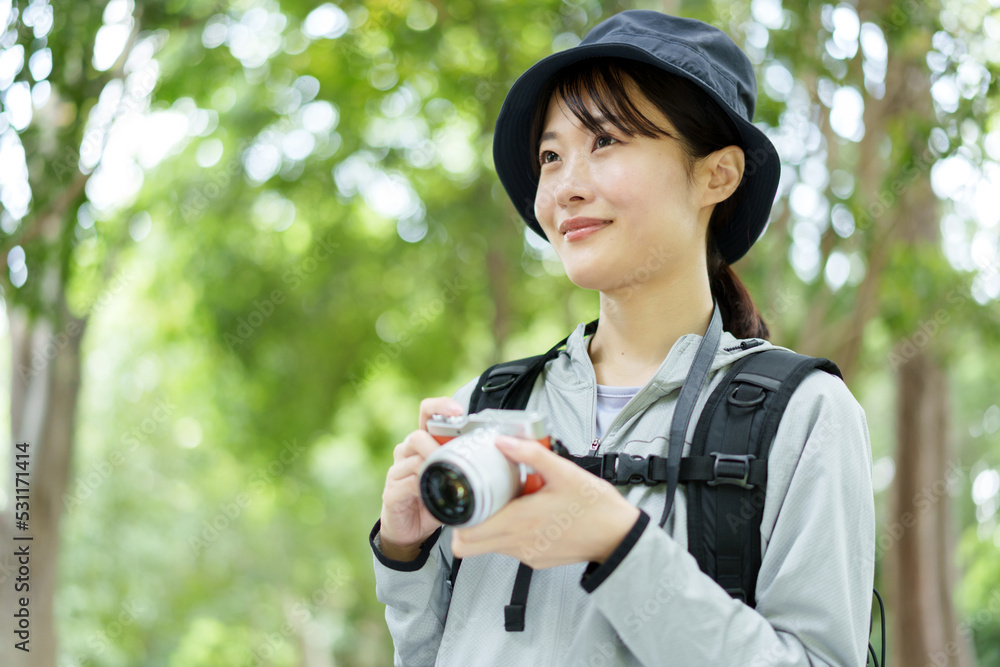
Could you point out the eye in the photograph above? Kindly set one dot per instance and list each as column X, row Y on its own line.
column 543, row 157
column 601, row 141
column 604, row 138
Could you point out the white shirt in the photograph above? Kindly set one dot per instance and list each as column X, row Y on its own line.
column 610, row 401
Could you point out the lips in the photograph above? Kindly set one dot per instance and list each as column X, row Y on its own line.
column 577, row 228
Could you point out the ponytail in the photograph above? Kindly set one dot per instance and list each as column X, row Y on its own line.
column 740, row 316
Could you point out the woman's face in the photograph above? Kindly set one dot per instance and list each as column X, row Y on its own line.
column 618, row 211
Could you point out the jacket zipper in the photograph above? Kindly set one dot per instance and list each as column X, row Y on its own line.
column 593, row 447
column 744, row 345
column 621, row 416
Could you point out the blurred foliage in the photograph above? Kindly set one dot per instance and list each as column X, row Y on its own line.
column 255, row 356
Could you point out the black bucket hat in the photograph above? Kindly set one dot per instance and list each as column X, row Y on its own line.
column 686, row 47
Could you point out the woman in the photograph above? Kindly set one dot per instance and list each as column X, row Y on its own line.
column 635, row 156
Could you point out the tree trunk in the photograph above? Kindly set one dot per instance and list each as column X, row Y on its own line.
column 920, row 564
column 45, row 367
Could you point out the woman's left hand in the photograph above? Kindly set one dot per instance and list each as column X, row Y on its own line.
column 575, row 517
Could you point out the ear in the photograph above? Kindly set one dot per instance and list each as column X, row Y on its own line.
column 722, row 171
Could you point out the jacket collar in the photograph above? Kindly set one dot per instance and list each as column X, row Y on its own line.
column 672, row 371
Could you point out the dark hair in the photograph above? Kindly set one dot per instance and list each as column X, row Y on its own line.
column 703, row 128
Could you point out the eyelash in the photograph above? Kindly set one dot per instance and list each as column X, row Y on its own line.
column 543, row 154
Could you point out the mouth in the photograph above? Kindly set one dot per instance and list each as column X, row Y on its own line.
column 579, row 228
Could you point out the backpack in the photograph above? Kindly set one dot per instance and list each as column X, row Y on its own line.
column 726, row 480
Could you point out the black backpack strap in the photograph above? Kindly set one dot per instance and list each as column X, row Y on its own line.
column 729, row 457
column 504, row 383
column 513, row 614
column 495, row 384
column 508, row 386
column 622, row 469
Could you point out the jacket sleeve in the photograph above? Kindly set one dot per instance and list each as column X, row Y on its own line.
column 416, row 594
column 814, row 589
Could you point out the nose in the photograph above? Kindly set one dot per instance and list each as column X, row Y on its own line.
column 573, row 183
column 569, row 185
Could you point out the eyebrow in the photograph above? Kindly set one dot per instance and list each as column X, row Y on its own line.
column 552, row 134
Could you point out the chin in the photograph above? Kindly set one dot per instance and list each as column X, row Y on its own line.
column 588, row 278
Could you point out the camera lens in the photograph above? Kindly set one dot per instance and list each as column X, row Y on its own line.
column 447, row 493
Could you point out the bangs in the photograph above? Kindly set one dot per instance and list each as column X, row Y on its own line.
column 609, row 87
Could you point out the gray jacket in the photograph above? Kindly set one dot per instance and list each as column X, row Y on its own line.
column 650, row 604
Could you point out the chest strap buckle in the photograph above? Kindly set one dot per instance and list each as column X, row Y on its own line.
column 731, row 469
column 628, row 469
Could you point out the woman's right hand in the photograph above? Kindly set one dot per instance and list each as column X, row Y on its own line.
column 406, row 523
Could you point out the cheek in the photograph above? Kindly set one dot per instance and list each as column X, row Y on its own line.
column 634, row 189
column 543, row 201
column 544, row 209
column 616, row 176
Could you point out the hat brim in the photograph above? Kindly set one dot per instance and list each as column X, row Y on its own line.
column 512, row 145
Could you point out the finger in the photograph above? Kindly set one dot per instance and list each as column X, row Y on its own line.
column 417, row 442
column 502, row 526
column 442, row 405
column 538, row 456
column 405, row 489
column 465, row 543
column 408, row 466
